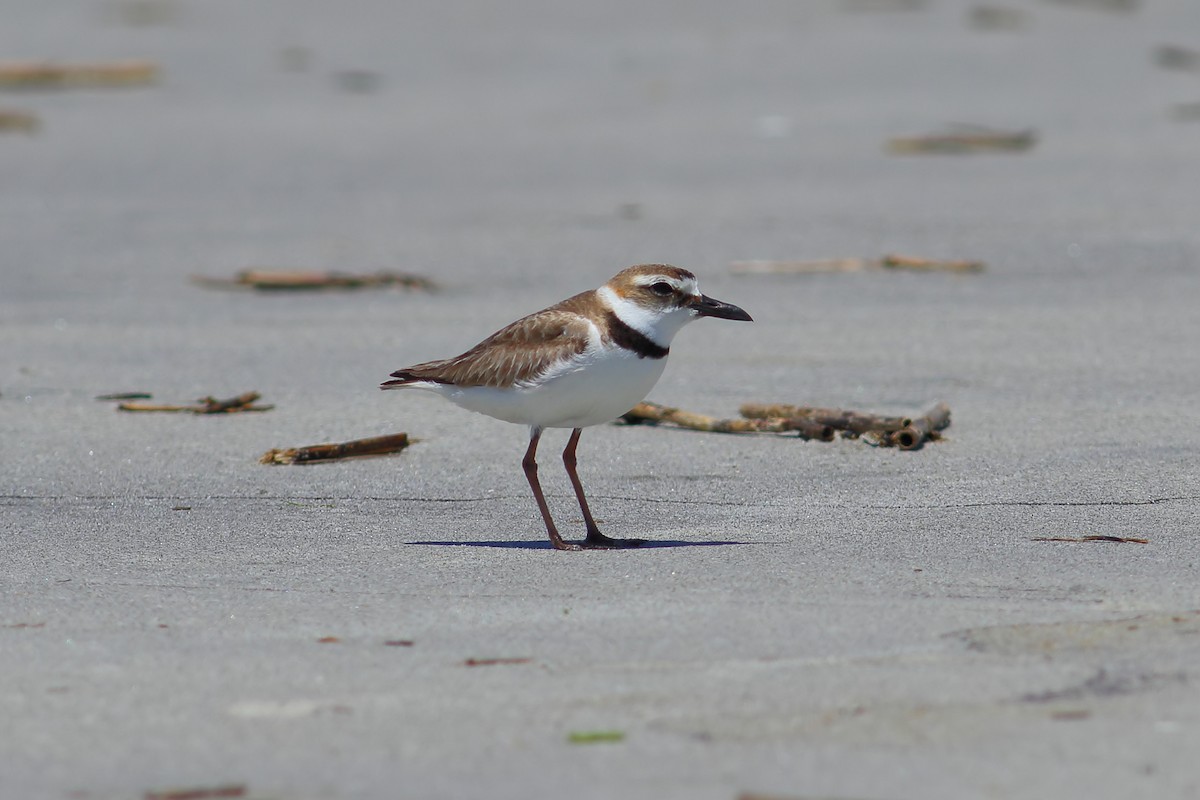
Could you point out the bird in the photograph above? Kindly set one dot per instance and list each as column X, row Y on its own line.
column 584, row 361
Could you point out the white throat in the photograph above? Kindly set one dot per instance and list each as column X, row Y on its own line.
column 659, row 325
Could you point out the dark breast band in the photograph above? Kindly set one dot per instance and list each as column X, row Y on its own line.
column 632, row 339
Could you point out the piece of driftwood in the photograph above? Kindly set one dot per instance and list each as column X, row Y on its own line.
column 921, row 429
column 197, row 792
column 855, row 422
column 654, row 413
column 906, row 433
column 887, row 262
column 1171, row 56
column 996, row 18
column 1101, row 5
column 970, row 139
column 877, row 6
column 270, row 280
column 492, row 662
column 374, row 446
column 52, row 75
column 206, row 405
column 125, row 396
column 1092, row 538
column 595, row 737
column 1184, row 112
column 20, row 121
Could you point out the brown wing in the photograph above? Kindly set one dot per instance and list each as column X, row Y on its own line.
column 519, row 352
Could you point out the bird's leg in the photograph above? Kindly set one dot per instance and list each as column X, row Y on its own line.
column 531, row 469
column 595, row 539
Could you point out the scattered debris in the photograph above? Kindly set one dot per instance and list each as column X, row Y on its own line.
column 295, row 58
column 654, row 413
column 142, row 13
column 357, row 81
column 205, row 405
column 595, row 737
column 887, row 262
column 399, row 643
column 197, row 793
column 877, row 6
column 630, row 211
column 1185, row 112
column 1070, row 715
column 965, row 139
column 996, row 18
column 821, row 424
column 1170, row 56
column 374, row 446
column 20, row 121
column 1100, row 5
column 181, row 508
column 270, row 280
column 491, row 662
column 125, row 396
column 1093, row 538
column 50, row 75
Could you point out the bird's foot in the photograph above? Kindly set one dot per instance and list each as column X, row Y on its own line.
column 598, row 541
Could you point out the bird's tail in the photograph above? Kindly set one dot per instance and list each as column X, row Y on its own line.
column 402, row 378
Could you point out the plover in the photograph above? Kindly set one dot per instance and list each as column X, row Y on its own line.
column 581, row 362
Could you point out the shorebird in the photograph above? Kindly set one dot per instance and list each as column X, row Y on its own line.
column 581, row 362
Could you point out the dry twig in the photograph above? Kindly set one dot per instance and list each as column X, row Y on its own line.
column 887, row 262
column 313, row 280
column 50, row 75
column 907, row 433
column 374, row 446
column 197, row 793
column 971, row 139
column 206, row 405
column 22, row 121
column 1170, row 56
column 1091, row 538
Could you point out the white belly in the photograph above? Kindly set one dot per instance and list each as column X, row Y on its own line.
column 599, row 387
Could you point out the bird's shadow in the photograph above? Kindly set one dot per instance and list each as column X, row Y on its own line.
column 541, row 544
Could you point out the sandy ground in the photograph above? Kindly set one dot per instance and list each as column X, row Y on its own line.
column 819, row 620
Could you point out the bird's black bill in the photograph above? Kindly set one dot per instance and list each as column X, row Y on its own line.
column 705, row 306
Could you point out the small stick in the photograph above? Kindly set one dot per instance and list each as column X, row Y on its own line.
column 125, row 396
column 490, row 662
column 1092, row 538
column 853, row 421
column 922, row 428
column 206, row 405
column 197, row 793
column 887, row 262
column 768, row 267
column 49, row 75
column 312, row 280
column 243, row 402
column 374, row 446
column 595, row 737
column 892, row 261
column 907, row 433
column 1170, row 56
column 23, row 121
column 653, row 413
column 957, row 143
column 1185, row 112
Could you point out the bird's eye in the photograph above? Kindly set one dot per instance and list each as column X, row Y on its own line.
column 662, row 288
